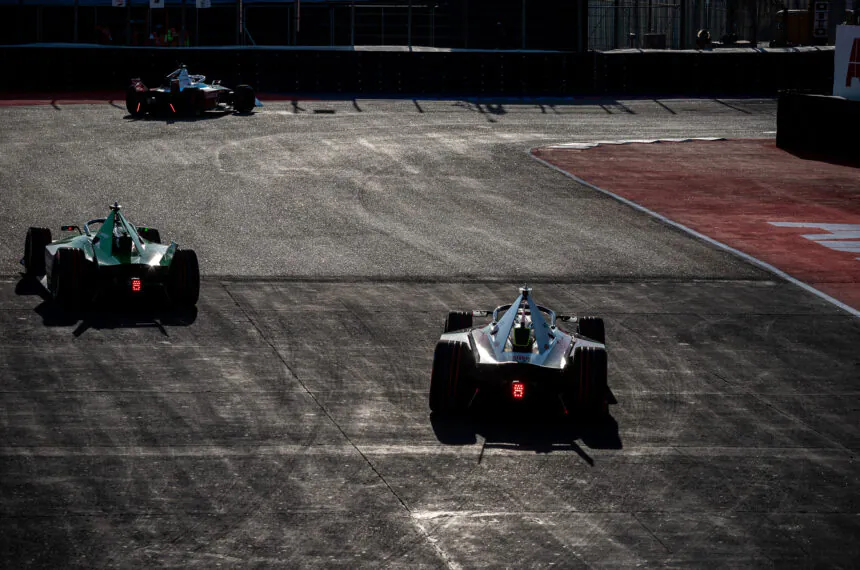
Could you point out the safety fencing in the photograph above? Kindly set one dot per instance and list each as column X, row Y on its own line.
column 351, row 72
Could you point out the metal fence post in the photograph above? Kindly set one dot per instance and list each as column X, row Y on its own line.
column 637, row 29
column 524, row 25
column 682, row 43
column 433, row 25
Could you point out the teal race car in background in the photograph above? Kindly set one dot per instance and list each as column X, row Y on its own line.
column 117, row 257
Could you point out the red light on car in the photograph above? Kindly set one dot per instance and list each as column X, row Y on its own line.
column 172, row 108
column 135, row 285
column 518, row 390
column 138, row 108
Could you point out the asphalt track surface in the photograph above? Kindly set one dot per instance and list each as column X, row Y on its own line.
column 285, row 422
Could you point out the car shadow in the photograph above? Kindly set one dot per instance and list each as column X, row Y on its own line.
column 845, row 160
column 537, row 431
column 187, row 118
column 108, row 311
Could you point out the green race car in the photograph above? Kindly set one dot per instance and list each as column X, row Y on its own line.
column 117, row 256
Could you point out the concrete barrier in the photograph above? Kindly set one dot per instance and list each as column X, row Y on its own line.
column 424, row 72
column 818, row 126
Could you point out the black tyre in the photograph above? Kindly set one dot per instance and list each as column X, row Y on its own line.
column 592, row 327
column 183, row 279
column 452, row 382
column 135, row 102
column 34, row 250
column 587, row 390
column 149, row 234
column 458, row 320
column 69, row 274
column 244, row 98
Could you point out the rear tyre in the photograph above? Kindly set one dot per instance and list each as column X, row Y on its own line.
column 458, row 320
column 452, row 382
column 592, row 327
column 68, row 277
column 149, row 234
column 183, row 278
column 135, row 102
column 587, row 388
column 34, row 250
column 244, row 98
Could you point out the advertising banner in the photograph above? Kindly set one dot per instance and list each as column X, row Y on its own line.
column 846, row 70
column 204, row 3
column 118, row 3
column 156, row 3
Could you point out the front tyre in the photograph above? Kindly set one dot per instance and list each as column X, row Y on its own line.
column 458, row 320
column 149, row 234
column 183, row 278
column 34, row 250
column 244, row 99
column 452, row 382
column 592, row 328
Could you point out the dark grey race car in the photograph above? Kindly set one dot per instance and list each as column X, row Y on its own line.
column 521, row 356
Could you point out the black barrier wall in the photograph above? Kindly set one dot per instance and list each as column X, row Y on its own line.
column 425, row 73
column 818, row 127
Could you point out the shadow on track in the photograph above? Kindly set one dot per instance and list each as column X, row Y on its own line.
column 536, row 431
column 171, row 118
column 846, row 160
column 109, row 311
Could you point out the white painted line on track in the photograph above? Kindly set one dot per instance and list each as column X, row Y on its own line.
column 587, row 145
column 745, row 256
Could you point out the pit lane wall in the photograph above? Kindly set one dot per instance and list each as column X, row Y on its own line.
column 393, row 71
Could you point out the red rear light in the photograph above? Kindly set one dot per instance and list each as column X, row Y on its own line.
column 135, row 285
column 518, row 390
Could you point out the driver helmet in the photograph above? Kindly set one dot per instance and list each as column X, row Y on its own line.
column 522, row 339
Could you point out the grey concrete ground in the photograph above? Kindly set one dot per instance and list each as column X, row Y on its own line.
column 285, row 422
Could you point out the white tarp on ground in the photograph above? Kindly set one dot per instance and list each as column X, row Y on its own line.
column 846, row 72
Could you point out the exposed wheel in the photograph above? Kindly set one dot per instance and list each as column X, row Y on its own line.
column 458, row 320
column 135, row 102
column 183, row 278
column 452, row 382
column 244, row 98
column 149, row 234
column 68, row 276
column 34, row 250
column 592, row 327
column 587, row 389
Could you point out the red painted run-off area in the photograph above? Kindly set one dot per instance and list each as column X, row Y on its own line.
column 731, row 191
